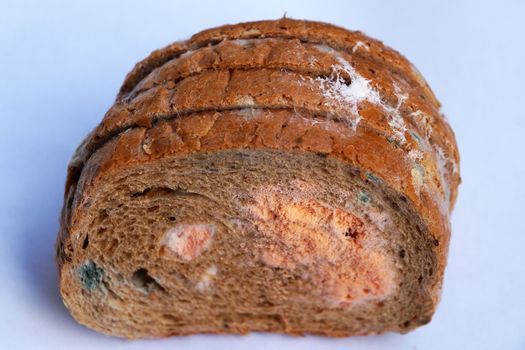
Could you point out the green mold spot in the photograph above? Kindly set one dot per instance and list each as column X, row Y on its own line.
column 420, row 169
column 371, row 177
column 418, row 175
column 90, row 275
column 363, row 197
column 418, row 138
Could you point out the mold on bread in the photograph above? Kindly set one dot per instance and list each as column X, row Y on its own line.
column 283, row 176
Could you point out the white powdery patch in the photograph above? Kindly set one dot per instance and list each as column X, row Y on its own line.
column 188, row 241
column 207, row 278
column 455, row 168
column 380, row 219
column 323, row 124
column 325, row 48
column 341, row 95
column 345, row 98
column 243, row 42
column 415, row 155
column 442, row 168
column 395, row 120
column 444, row 117
column 250, row 113
column 443, row 200
column 418, row 177
column 312, row 61
column 359, row 45
column 245, row 101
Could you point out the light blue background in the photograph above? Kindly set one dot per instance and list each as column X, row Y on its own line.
column 62, row 63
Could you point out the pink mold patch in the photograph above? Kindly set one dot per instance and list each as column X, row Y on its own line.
column 345, row 256
column 188, row 241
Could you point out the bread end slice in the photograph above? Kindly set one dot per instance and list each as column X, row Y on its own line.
column 247, row 240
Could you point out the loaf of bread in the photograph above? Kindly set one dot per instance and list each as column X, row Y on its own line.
column 282, row 176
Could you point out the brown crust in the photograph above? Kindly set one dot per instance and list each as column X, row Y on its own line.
column 257, row 88
column 291, row 55
column 264, row 88
column 230, row 89
column 306, row 31
column 276, row 54
column 202, row 113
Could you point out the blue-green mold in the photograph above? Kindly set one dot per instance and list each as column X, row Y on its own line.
column 90, row 275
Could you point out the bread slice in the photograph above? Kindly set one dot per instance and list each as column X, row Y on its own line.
column 230, row 192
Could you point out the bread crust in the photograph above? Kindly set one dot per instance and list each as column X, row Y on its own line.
column 155, row 103
column 295, row 56
column 198, row 105
column 306, row 31
column 303, row 57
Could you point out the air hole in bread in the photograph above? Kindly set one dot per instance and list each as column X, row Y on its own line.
column 156, row 192
column 144, row 282
column 85, row 244
column 102, row 215
column 352, row 232
column 172, row 319
column 142, row 193
column 153, row 208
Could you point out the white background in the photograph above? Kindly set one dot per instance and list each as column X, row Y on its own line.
column 62, row 63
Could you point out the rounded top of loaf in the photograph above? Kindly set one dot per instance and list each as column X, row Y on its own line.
column 304, row 30
column 130, row 111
